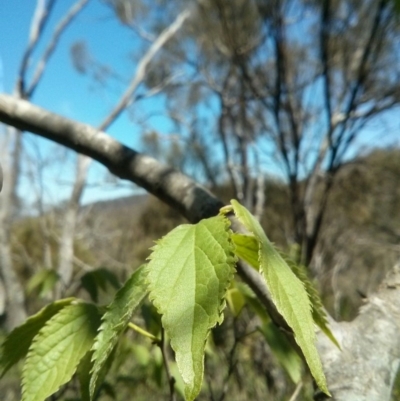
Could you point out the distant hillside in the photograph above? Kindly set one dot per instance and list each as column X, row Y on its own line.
column 360, row 237
column 132, row 203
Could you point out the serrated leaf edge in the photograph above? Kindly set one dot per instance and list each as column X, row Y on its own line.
column 230, row 260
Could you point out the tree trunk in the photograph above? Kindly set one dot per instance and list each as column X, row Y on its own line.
column 66, row 248
column 15, row 298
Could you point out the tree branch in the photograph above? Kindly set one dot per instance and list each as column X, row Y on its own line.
column 166, row 35
column 75, row 9
column 41, row 17
column 171, row 186
column 366, row 367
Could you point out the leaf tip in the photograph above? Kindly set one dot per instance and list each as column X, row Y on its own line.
column 225, row 210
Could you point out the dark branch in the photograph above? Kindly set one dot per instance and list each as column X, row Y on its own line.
column 169, row 185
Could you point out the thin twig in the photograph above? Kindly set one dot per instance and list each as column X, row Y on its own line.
column 296, row 391
column 170, row 377
column 40, row 18
column 232, row 361
column 126, row 99
column 63, row 24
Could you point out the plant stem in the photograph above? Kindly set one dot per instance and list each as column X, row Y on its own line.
column 145, row 333
column 171, row 379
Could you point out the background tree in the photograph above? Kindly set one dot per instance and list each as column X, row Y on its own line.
column 293, row 84
column 248, row 86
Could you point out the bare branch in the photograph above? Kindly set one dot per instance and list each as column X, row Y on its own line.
column 63, row 24
column 126, row 99
column 325, row 13
column 39, row 21
column 361, row 76
column 164, row 182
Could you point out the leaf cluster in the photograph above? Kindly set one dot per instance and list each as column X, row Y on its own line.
column 189, row 279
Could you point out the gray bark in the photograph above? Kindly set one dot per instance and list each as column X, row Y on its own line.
column 15, row 298
column 66, row 244
column 66, row 250
column 169, row 185
column 366, row 366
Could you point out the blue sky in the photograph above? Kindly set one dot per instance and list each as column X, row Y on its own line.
column 65, row 91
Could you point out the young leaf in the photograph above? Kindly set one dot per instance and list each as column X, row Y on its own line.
column 189, row 273
column 17, row 343
column 287, row 292
column 318, row 311
column 84, row 375
column 246, row 248
column 235, row 300
column 57, row 350
column 115, row 320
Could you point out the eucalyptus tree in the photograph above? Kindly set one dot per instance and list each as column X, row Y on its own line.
column 287, row 86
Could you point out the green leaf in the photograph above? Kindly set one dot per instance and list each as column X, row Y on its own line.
column 17, row 343
column 115, row 320
column 179, row 384
column 235, row 300
column 283, row 351
column 189, row 273
column 246, row 248
column 318, row 311
column 57, row 350
column 253, row 302
column 98, row 278
column 44, row 280
column 152, row 318
column 83, row 374
column 287, row 292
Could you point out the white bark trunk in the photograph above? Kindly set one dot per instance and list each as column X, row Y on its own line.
column 366, row 367
column 66, row 247
column 15, row 298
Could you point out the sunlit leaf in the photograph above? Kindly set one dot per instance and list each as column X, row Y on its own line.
column 17, row 343
column 179, row 385
column 246, row 248
column 189, row 273
column 235, row 300
column 115, row 320
column 57, row 350
column 318, row 311
column 287, row 292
